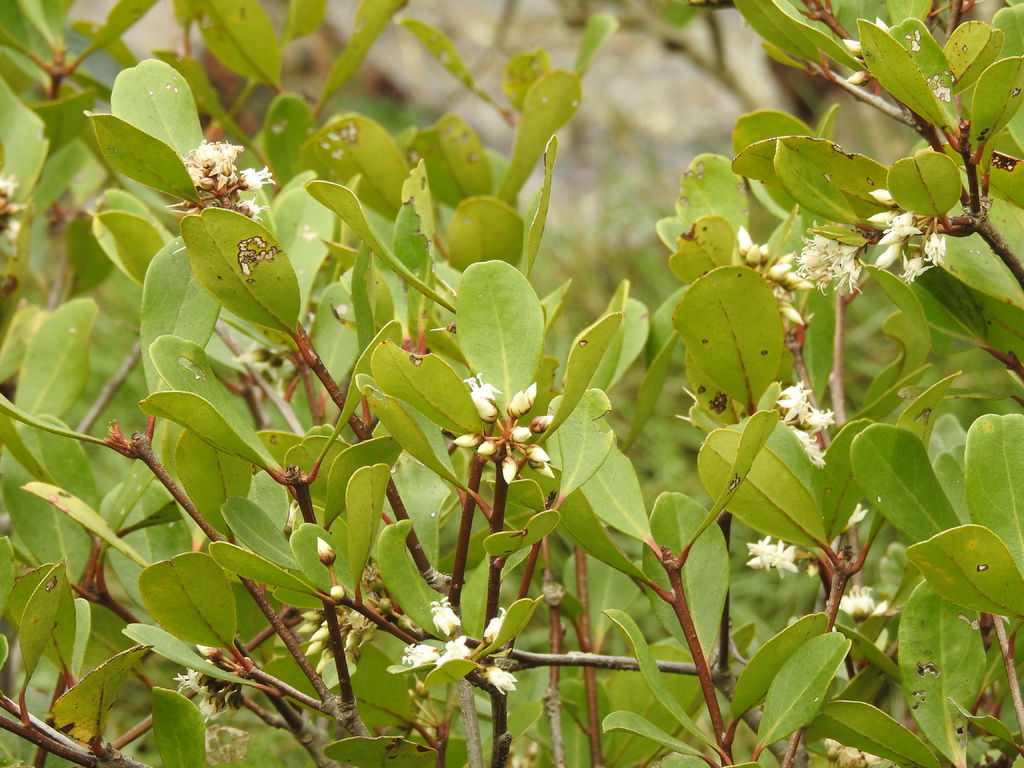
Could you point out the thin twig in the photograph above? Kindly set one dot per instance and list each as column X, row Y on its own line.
column 476, row 469
column 111, row 388
column 1002, row 249
column 1011, row 670
column 586, row 642
column 470, row 724
column 531, row 660
column 836, row 380
column 893, row 111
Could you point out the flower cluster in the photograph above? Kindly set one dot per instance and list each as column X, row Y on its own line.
column 859, row 604
column 9, row 226
column 447, row 623
column 508, row 446
column 898, row 228
column 778, row 272
column 824, row 261
column 805, row 420
column 766, row 555
column 219, row 183
column 216, row 696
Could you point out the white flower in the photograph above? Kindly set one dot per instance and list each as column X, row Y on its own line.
column 250, row 178
column 445, row 619
column 189, row 681
column 418, row 655
column 208, row 709
column 817, row 420
column 810, row 446
column 494, row 627
column 8, row 186
column 767, row 555
column 858, row 604
column 483, row 398
column 889, row 255
column 211, row 160
column 795, row 401
column 901, row 228
column 521, row 434
column 858, row 514
column 500, row 679
column 522, row 401
column 934, row 248
column 12, row 230
column 455, row 649
column 251, row 208
column 913, row 268
column 823, row 261
column 509, row 469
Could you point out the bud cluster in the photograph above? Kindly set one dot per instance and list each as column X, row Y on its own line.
column 509, row 446
column 219, row 183
column 9, row 226
column 778, row 272
column 859, row 604
column 216, row 696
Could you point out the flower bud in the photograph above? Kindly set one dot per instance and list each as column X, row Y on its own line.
column 493, row 627
column 487, row 448
column 890, row 255
column 858, row 78
column 778, row 272
column 853, row 46
column 521, row 434
column 337, row 591
column 883, row 197
column 790, row 313
column 486, row 408
column 315, row 647
column 321, row 634
column 744, row 241
column 208, row 652
column 753, row 257
column 542, row 468
column 522, row 402
column 536, row 453
column 325, row 552
column 509, row 469
column 883, row 219
column 468, row 441
column 541, row 423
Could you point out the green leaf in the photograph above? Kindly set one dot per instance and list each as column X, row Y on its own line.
column 173, row 303
column 85, row 516
column 201, row 417
column 123, row 15
column 82, row 711
column 456, row 160
column 38, row 620
column 420, row 439
column 343, row 202
column 181, row 653
column 897, row 72
column 501, row 326
column 650, row 390
column 641, row 726
column 780, row 23
column 652, row 676
column 709, row 187
column 129, row 241
column 6, row 571
column 971, row 567
column 919, row 417
column 379, row 450
column 242, row 266
column 442, row 49
column 583, row 441
column 585, row 355
column 255, row 528
column 142, row 157
column 353, row 144
column 191, row 598
column 796, row 694
column 548, row 105
column 538, row 211
column 988, row 724
column 239, row 34
column 55, row 370
column 729, row 321
column 757, row 676
column 304, row 18
column 154, row 98
column 779, row 496
column 450, row 671
column 484, row 228
column 209, row 476
column 514, row 622
column 401, row 577
column 942, row 662
column 303, row 542
column 995, row 487
column 997, row 98
column 536, row 528
column 709, row 243
column 380, row 752
column 584, row 528
column 840, row 493
column 370, row 18
column 256, row 567
column 600, row 27
column 969, row 50
column 860, row 725
column 179, row 730
column 286, row 127
column 364, row 499
column 614, row 494
column 893, row 470
column 927, row 183
column 22, row 146
column 522, row 71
